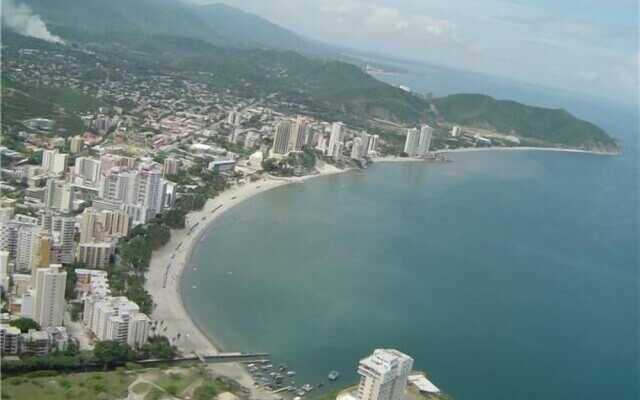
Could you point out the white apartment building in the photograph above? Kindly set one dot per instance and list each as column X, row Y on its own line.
column 335, row 140
column 59, row 195
column 4, row 270
column 383, row 375
column 105, row 225
column 296, row 139
column 281, row 138
column 116, row 318
column 411, row 142
column 424, row 144
column 96, row 254
column 49, row 301
column 86, row 171
column 171, row 166
column 21, row 238
column 9, row 339
column 140, row 193
column 53, row 162
column 75, row 144
column 61, row 229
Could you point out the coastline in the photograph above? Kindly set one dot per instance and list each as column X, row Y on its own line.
column 525, row 148
column 166, row 287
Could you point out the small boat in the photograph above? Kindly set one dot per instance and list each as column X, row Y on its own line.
column 333, row 375
column 291, row 373
column 301, row 393
column 307, row 388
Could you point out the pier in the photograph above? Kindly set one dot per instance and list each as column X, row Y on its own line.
column 211, row 358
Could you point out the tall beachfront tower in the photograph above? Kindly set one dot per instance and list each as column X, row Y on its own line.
column 49, row 299
column 281, row 138
column 296, row 138
column 383, row 375
column 335, row 140
column 411, row 142
column 426, row 134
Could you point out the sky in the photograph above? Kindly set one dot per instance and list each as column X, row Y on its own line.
column 588, row 46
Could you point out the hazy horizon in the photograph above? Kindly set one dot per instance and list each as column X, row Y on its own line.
column 583, row 46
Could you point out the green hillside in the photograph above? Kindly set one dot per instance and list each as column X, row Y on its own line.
column 63, row 105
column 553, row 126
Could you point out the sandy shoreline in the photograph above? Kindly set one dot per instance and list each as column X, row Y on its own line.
column 167, row 264
column 524, row 148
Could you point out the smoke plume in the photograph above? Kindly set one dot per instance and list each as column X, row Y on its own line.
column 20, row 18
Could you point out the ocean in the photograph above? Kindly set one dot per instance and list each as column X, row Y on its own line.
column 505, row 275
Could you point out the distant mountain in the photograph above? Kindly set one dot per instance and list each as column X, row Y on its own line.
column 218, row 24
column 543, row 125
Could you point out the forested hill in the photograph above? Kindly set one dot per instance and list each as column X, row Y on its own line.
column 546, row 125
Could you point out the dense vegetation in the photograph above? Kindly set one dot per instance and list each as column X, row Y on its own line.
column 553, row 126
column 62, row 105
column 106, row 354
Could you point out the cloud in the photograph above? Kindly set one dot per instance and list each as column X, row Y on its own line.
column 20, row 18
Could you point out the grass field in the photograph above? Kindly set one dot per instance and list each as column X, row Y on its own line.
column 90, row 385
column 154, row 384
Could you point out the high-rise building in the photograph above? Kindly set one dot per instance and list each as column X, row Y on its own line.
column 234, row 118
column 61, row 229
column 53, row 162
column 104, row 225
column 372, row 146
column 4, row 270
column 170, row 167
column 411, row 142
column 139, row 193
column 75, row 144
column 296, row 138
column 335, row 140
column 115, row 318
column 87, row 171
column 96, row 254
column 281, row 138
column 424, row 144
column 49, row 301
column 356, row 148
column 24, row 240
column 44, row 251
column 383, row 375
column 59, row 195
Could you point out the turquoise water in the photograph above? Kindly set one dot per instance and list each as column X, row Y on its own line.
column 506, row 275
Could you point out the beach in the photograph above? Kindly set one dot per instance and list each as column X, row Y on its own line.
column 524, row 148
column 167, row 264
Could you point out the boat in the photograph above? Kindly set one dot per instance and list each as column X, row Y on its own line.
column 291, row 373
column 307, row 388
column 333, row 375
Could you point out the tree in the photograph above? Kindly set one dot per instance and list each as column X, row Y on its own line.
column 137, row 253
column 24, row 324
column 174, row 218
column 72, row 278
column 110, row 352
column 205, row 391
column 159, row 347
column 158, row 235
